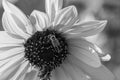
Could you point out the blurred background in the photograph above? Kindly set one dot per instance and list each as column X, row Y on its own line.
column 108, row 40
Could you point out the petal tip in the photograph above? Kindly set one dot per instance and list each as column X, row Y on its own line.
column 5, row 5
column 104, row 22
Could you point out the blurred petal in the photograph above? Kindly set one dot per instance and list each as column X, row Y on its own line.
column 41, row 20
column 10, row 53
column 5, row 38
column 99, row 73
column 11, row 24
column 23, row 77
column 21, row 71
column 60, row 74
column 18, row 14
column 81, row 42
column 52, row 7
column 86, row 29
column 31, row 75
column 82, row 50
column 74, row 72
column 66, row 16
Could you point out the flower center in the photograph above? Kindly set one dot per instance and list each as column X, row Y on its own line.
column 46, row 50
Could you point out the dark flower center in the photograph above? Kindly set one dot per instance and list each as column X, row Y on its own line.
column 46, row 50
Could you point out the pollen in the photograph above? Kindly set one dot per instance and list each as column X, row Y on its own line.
column 46, row 50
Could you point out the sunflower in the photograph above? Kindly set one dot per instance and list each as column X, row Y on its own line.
column 49, row 46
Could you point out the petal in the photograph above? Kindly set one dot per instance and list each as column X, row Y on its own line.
column 9, row 73
column 3, row 62
column 86, row 29
column 74, row 72
column 11, row 24
column 5, row 38
column 18, row 14
column 22, row 70
column 66, row 16
column 31, row 76
column 14, row 61
column 89, row 57
column 81, row 42
column 82, row 50
column 12, row 52
column 52, row 7
column 99, row 73
column 23, row 77
column 60, row 74
column 2, row 46
column 84, row 43
column 41, row 20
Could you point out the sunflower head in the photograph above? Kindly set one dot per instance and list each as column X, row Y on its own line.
column 51, row 44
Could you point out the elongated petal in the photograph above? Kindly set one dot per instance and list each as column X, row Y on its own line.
column 10, row 22
column 99, row 73
column 5, row 38
column 89, row 57
column 87, row 29
column 22, row 20
column 74, row 72
column 9, row 45
column 83, row 43
column 83, row 50
column 16, row 60
column 52, row 7
column 3, row 62
column 66, row 16
column 41, row 20
column 22, row 70
column 11, row 52
column 6, row 75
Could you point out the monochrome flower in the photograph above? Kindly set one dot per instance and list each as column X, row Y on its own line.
column 49, row 45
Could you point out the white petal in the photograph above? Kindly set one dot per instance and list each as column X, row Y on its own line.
column 12, row 9
column 41, row 20
column 6, row 24
column 87, row 29
column 66, row 16
column 100, row 73
column 83, row 51
column 52, row 7
column 12, row 52
column 75, row 73
column 16, row 60
column 22, row 70
column 6, row 75
column 13, row 25
column 60, row 74
column 3, row 62
column 9, row 45
column 5, row 38
column 106, row 57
